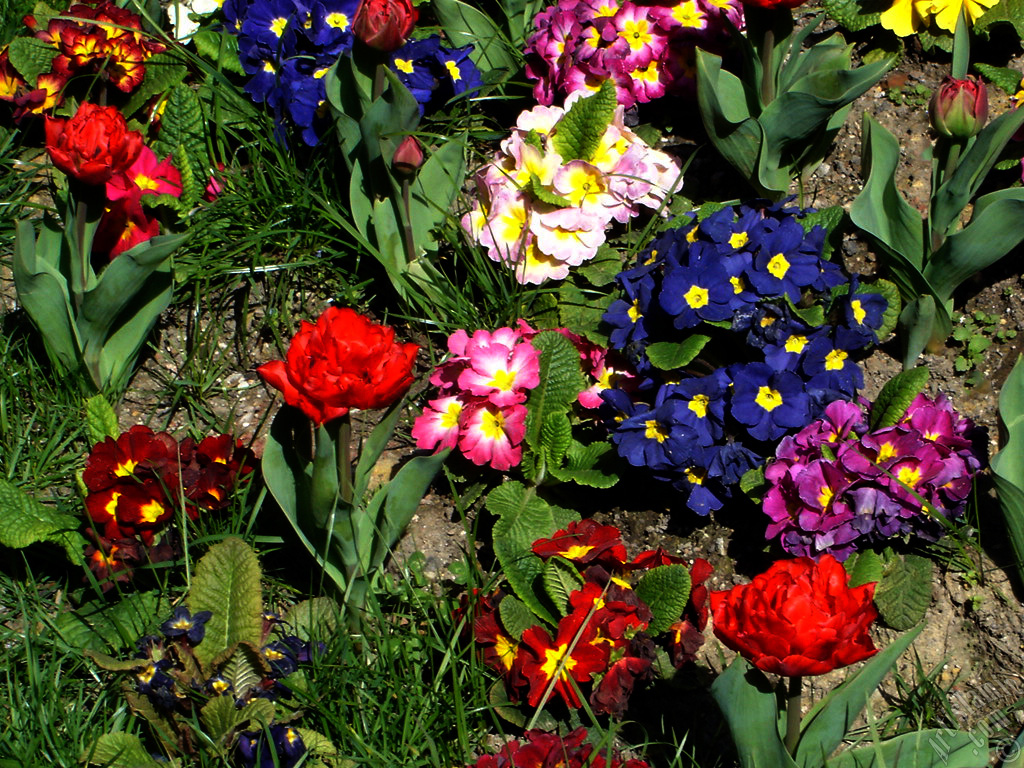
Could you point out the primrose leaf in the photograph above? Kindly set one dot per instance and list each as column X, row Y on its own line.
column 516, row 618
column 896, row 396
column 578, row 134
column 26, row 521
column 100, row 420
column 665, row 589
column 671, row 355
column 227, row 583
column 905, row 590
column 560, row 580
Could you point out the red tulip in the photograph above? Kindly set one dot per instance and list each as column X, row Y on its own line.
column 959, row 108
column 384, row 24
column 797, row 618
column 93, row 145
column 344, row 361
column 408, row 158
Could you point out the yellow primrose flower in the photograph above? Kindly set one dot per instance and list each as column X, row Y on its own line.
column 947, row 11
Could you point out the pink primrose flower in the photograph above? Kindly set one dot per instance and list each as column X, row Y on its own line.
column 493, row 435
column 568, row 234
column 501, row 367
column 438, row 425
column 146, row 176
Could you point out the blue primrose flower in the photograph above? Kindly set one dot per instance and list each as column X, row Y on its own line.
column 184, row 624
column 462, row 75
column 694, row 294
column 283, row 749
column 331, row 30
column 831, row 367
column 272, row 25
column 704, row 492
column 768, row 402
column 704, row 398
column 657, row 439
column 863, row 316
column 781, row 266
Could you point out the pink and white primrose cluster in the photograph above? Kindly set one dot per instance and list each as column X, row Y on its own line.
column 541, row 240
column 646, row 49
column 482, row 391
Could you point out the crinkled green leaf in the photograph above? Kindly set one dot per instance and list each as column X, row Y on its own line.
column 320, row 751
column 515, row 617
column 556, row 436
column 752, row 484
column 582, row 466
column 672, row 355
column 905, row 590
column 220, row 47
column 850, row 14
column 245, row 670
column 1004, row 78
column 102, row 626
column 1004, row 12
column 896, row 396
column 123, row 750
column 892, row 311
column 582, row 313
column 25, row 521
column 561, row 380
column 561, row 579
column 602, row 269
column 546, row 196
column 221, row 717
column 31, row 57
column 864, row 567
column 522, row 519
column 163, row 71
column 666, row 590
column 318, row 618
column 100, row 419
column 227, row 583
column 578, row 134
column 183, row 134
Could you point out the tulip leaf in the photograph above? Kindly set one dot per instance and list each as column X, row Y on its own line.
column 123, row 750
column 403, row 496
column 905, row 591
column 578, row 134
column 922, row 749
column 896, row 396
column 515, row 617
column 523, row 517
column 26, row 521
column 723, row 108
column 1008, row 463
column 954, row 195
column 748, row 702
column 665, row 590
column 43, row 292
column 465, row 25
column 433, row 191
column 824, row 727
column 880, row 209
column 993, row 232
column 227, row 583
column 922, row 320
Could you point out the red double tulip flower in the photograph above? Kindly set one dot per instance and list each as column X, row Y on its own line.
column 384, row 24
column 93, row 145
column 344, row 361
column 797, row 618
column 959, row 108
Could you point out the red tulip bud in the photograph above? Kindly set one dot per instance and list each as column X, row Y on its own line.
column 408, row 157
column 959, row 108
column 384, row 24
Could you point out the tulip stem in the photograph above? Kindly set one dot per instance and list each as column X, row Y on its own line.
column 378, row 82
column 793, row 713
column 767, row 68
column 410, row 246
column 344, row 449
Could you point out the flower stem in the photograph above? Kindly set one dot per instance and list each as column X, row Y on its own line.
column 378, row 82
column 410, row 246
column 793, row 713
column 344, row 449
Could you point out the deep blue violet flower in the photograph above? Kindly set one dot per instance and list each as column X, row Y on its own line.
column 863, row 315
column 656, row 439
column 693, row 294
column 732, row 461
column 780, row 266
column 831, row 367
column 768, row 402
column 184, row 624
column 462, row 74
column 704, row 398
column 704, row 493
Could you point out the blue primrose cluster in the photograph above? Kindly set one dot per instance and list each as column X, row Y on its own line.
column 287, row 47
column 166, row 677
column 780, row 328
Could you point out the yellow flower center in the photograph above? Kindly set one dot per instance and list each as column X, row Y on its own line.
column 404, row 65
column 699, row 405
column 858, row 311
column 738, row 239
column 778, row 266
column 493, row 425
column 278, row 25
column 768, row 398
column 796, row 344
column 337, row 20
column 453, row 70
column 835, row 360
column 909, row 475
column 634, row 311
column 656, row 431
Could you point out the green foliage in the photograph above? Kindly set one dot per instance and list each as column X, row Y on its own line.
column 516, row 618
column 101, row 627
column 864, row 567
column 896, row 396
column 1005, row 12
column 561, row 578
column 666, row 590
column 26, row 521
column 220, row 47
column 772, row 138
column 31, row 57
column 100, row 420
column 183, row 135
column 851, row 14
column 227, row 583
column 523, row 517
column 1004, row 78
column 578, row 134
column 164, row 71
column 830, row 219
column 975, row 334
column 463, row 24
column 671, row 355
column 892, row 311
column 905, row 590
column 1008, row 463
column 122, row 750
